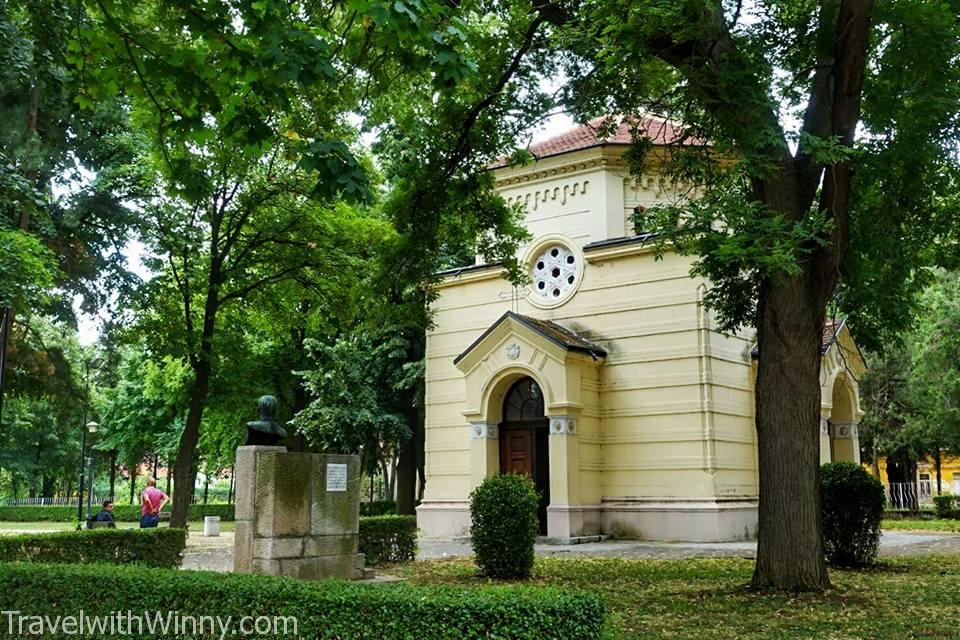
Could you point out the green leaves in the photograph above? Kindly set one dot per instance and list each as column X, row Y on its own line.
column 851, row 508
column 911, row 393
column 338, row 174
column 504, row 526
column 738, row 243
column 361, row 394
column 27, row 268
column 325, row 610
column 161, row 548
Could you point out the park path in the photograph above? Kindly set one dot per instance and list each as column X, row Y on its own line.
column 216, row 554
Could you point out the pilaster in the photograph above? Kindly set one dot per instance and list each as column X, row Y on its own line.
column 484, row 451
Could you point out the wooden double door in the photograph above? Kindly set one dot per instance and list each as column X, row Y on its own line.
column 523, row 450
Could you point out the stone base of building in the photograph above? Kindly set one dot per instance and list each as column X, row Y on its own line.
column 566, row 522
column 680, row 520
column 623, row 518
column 444, row 519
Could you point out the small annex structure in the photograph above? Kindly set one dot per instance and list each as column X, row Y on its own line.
column 604, row 379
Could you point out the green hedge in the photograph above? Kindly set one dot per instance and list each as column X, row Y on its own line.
column 121, row 512
column 948, row 506
column 152, row 547
column 388, row 539
column 851, row 509
column 378, row 508
column 329, row 609
column 504, row 526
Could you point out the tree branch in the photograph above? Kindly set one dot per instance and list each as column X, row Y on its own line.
column 850, row 55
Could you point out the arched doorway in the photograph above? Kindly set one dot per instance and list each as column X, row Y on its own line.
column 844, row 442
column 523, row 439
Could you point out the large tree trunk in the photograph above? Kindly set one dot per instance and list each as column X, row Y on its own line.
column 410, row 465
column 407, row 477
column 47, row 486
column 421, row 468
column 938, row 462
column 790, row 551
column 184, row 467
column 113, row 474
column 133, row 480
column 298, row 335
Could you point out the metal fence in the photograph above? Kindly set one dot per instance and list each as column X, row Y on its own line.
column 909, row 495
column 49, row 502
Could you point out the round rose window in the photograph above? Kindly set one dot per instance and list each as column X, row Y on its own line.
column 554, row 272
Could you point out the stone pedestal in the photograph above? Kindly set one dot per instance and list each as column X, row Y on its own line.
column 297, row 514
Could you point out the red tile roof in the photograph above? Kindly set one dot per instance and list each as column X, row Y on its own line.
column 660, row 132
column 831, row 331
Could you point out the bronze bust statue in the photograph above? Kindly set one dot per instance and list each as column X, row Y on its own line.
column 266, row 430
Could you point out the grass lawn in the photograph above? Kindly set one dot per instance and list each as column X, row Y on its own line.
column 952, row 526
column 34, row 526
column 705, row 599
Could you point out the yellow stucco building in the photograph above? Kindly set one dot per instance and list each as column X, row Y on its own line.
column 923, row 485
column 604, row 379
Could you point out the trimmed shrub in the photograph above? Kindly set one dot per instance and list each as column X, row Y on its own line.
column 151, row 547
column 327, row 610
column 851, row 508
column 947, row 506
column 378, row 508
column 38, row 514
column 121, row 512
column 504, row 526
column 388, row 539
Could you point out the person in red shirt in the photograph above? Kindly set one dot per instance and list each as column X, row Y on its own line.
column 152, row 501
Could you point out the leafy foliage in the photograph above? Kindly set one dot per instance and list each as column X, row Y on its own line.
column 247, row 106
column 388, row 539
column 737, row 239
column 911, row 393
column 360, row 388
column 144, row 412
column 948, row 507
column 43, row 407
column 26, row 269
column 504, row 525
column 121, row 513
column 325, row 610
column 162, row 548
column 851, row 506
column 68, row 178
column 378, row 508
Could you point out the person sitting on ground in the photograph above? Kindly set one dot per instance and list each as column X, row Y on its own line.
column 106, row 515
column 152, row 501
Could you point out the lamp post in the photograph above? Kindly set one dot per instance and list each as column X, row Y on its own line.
column 83, row 439
column 90, row 427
